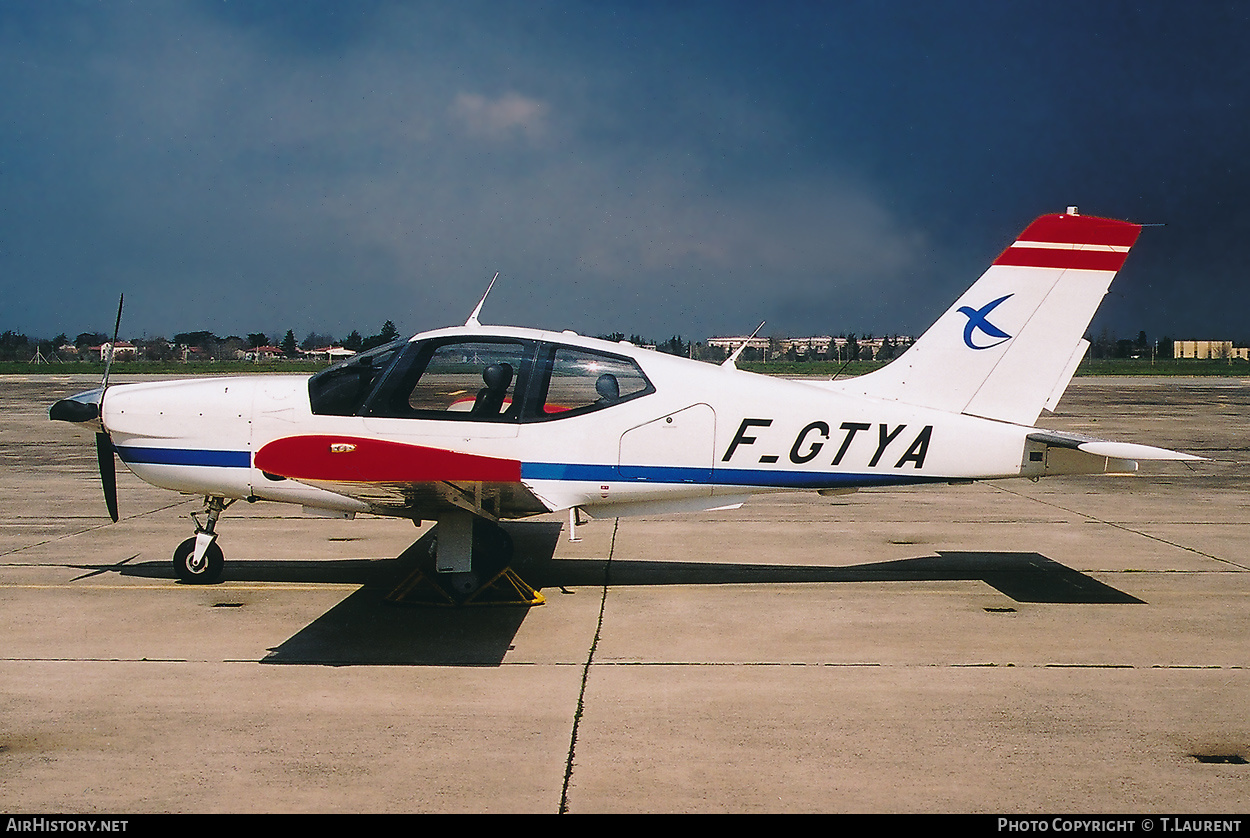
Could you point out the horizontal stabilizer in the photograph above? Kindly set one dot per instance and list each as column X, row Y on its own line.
column 1106, row 448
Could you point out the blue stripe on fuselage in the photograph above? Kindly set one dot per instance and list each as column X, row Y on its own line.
column 722, row 476
column 184, row 457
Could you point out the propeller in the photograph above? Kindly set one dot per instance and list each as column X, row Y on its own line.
column 108, row 471
column 104, row 442
column 88, row 408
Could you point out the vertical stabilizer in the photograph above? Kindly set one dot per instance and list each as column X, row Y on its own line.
column 1008, row 347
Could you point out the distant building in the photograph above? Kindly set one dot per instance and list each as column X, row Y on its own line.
column 730, row 344
column 818, row 345
column 821, row 345
column 263, row 353
column 123, row 349
column 1209, row 350
column 328, row 353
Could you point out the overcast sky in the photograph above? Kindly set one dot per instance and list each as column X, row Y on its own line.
column 651, row 167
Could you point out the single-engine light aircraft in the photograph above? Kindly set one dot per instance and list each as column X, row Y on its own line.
column 474, row 425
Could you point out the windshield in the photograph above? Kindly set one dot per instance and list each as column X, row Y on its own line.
column 342, row 389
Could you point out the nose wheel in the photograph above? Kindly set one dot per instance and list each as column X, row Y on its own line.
column 202, row 571
column 198, row 560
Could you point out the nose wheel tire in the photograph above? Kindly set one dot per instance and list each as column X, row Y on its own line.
column 211, row 567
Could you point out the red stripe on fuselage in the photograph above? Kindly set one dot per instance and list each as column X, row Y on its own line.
column 360, row 460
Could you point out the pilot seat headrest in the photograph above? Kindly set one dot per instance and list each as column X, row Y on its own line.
column 497, row 376
column 608, row 387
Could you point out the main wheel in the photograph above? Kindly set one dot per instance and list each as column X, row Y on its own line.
column 214, row 564
column 492, row 551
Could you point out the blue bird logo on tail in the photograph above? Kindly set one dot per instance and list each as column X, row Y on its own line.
column 977, row 320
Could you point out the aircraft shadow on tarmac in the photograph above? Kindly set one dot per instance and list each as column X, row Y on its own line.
column 365, row 629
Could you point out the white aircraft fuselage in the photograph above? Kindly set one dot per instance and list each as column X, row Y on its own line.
column 706, row 432
column 493, row 423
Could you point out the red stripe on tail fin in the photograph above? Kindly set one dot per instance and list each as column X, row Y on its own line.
column 1081, row 229
column 1082, row 242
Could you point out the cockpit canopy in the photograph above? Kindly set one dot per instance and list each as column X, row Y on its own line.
column 471, row 378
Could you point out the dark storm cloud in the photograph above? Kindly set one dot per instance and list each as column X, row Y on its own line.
column 658, row 168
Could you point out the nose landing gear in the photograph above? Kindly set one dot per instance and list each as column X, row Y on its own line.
column 198, row 560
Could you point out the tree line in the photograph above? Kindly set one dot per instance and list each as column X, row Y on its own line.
column 1106, row 345
column 15, row 346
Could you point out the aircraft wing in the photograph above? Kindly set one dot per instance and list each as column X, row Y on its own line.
column 397, row 478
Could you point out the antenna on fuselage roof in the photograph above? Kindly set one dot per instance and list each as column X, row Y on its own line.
column 473, row 321
column 729, row 362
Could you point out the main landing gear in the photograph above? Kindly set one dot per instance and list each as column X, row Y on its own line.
column 198, row 560
column 466, row 564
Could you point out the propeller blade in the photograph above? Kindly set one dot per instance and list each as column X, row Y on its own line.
column 108, row 472
column 117, row 327
column 77, row 410
column 103, row 442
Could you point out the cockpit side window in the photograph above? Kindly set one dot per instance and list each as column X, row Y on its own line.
column 582, row 380
column 475, row 380
column 341, row 390
column 485, row 379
